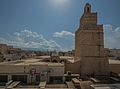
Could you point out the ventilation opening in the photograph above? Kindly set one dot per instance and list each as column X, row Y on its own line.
column 55, row 61
column 88, row 9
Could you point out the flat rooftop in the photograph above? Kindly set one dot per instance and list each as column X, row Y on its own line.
column 106, row 86
column 114, row 61
column 33, row 61
column 61, row 57
column 48, row 86
column 30, row 61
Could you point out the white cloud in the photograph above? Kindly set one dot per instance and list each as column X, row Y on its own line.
column 29, row 33
column 117, row 29
column 63, row 34
column 31, row 40
column 112, row 36
column 66, row 39
column 108, row 27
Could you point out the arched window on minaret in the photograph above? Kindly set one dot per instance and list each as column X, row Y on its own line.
column 87, row 8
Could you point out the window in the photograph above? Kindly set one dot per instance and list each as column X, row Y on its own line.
column 88, row 9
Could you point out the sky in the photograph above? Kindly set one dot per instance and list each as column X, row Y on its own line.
column 51, row 24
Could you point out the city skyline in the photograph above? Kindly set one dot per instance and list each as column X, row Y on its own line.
column 50, row 24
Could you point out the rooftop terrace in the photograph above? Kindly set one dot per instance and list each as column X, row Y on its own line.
column 31, row 62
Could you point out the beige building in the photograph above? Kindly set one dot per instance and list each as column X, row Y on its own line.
column 31, row 71
column 89, row 45
column 3, row 48
column 114, row 54
column 114, row 66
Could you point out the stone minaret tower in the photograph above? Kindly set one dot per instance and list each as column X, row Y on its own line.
column 89, row 45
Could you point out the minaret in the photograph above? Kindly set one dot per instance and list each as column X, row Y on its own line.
column 89, row 45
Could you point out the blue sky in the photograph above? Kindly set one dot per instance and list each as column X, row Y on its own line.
column 50, row 24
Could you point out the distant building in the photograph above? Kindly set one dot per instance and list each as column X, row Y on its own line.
column 3, row 48
column 68, row 53
column 114, row 54
column 8, row 53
